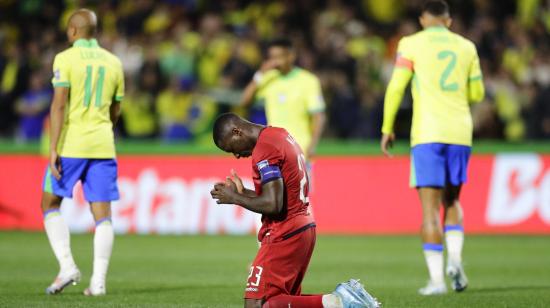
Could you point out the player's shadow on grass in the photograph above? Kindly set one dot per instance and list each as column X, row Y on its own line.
column 506, row 289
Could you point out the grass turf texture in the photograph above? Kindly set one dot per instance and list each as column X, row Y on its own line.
column 209, row 271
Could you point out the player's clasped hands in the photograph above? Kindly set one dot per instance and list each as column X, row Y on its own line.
column 224, row 192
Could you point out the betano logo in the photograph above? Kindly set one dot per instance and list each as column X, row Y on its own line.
column 150, row 204
column 520, row 188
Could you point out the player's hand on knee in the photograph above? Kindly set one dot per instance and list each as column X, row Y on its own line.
column 55, row 164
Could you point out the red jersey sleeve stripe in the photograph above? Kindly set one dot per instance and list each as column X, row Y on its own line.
column 404, row 63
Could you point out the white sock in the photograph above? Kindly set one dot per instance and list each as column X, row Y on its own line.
column 331, row 301
column 103, row 245
column 454, row 237
column 433, row 253
column 60, row 239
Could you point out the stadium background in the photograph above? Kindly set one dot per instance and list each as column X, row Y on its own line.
column 186, row 61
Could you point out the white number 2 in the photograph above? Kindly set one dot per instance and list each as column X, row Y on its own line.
column 303, row 181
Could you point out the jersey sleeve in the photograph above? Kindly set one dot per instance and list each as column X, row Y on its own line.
column 402, row 74
column 61, row 72
column 314, row 97
column 267, row 162
column 119, row 94
column 405, row 56
column 476, row 89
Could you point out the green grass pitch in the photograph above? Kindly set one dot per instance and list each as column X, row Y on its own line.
column 209, row 271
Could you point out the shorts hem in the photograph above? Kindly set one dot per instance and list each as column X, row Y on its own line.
column 68, row 195
column 102, row 199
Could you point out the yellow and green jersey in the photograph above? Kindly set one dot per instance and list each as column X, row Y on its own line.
column 290, row 100
column 96, row 79
column 446, row 76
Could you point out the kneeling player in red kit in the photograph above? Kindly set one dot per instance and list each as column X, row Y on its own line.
column 287, row 235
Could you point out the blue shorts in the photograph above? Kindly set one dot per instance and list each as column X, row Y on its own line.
column 98, row 177
column 439, row 164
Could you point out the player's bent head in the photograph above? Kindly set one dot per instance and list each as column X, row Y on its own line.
column 230, row 135
column 434, row 13
column 82, row 24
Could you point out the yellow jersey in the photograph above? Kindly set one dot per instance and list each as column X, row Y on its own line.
column 95, row 78
column 446, row 76
column 290, row 100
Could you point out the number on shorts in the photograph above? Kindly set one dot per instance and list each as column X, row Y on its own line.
column 258, row 276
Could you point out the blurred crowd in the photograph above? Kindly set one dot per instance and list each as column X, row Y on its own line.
column 188, row 60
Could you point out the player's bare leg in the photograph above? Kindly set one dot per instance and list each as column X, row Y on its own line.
column 432, row 236
column 454, row 237
column 103, row 245
column 59, row 238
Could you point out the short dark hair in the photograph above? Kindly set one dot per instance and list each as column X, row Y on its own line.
column 280, row 42
column 436, row 7
column 221, row 126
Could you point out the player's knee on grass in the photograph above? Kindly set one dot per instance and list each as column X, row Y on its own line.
column 252, row 303
column 50, row 201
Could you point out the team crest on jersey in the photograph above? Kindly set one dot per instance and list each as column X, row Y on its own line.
column 261, row 165
column 282, row 98
column 56, row 74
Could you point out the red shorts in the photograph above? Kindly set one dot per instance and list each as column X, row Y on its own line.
column 280, row 266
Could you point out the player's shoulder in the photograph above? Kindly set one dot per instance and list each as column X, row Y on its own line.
column 272, row 135
column 268, row 141
column 111, row 57
column 409, row 40
column 65, row 54
column 466, row 42
column 306, row 76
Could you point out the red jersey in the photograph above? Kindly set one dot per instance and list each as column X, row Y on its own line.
column 277, row 155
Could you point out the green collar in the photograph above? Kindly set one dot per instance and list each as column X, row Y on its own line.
column 436, row 28
column 91, row 43
column 293, row 73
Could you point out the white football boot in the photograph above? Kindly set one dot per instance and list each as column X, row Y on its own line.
column 433, row 289
column 459, row 281
column 64, row 279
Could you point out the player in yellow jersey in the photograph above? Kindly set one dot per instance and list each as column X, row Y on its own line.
column 292, row 95
column 88, row 86
column 446, row 77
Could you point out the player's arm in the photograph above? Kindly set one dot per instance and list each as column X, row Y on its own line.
column 57, row 116
column 476, row 89
column 114, row 112
column 316, row 108
column 61, row 85
column 318, row 121
column 115, row 109
column 248, row 93
column 401, row 76
column 269, row 202
column 259, row 80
